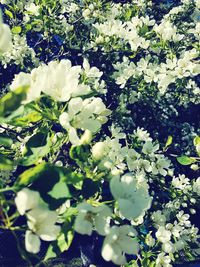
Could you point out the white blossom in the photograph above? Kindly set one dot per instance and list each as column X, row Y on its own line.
column 163, row 260
column 90, row 217
column 119, row 241
column 98, row 150
column 163, row 235
column 26, row 199
column 5, row 37
column 133, row 199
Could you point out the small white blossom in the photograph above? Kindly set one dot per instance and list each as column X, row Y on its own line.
column 183, row 219
column 149, row 148
column 149, row 240
column 196, row 186
column 158, row 218
column 163, row 235
column 90, row 217
column 99, row 150
column 119, row 241
column 163, row 260
column 181, row 182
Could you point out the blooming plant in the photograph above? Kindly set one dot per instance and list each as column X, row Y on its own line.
column 99, row 130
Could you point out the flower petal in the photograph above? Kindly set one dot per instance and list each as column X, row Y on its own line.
column 32, row 242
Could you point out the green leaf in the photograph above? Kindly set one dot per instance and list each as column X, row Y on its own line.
column 9, row 13
column 63, row 241
column 5, row 163
column 197, row 144
column 16, row 29
column 32, row 117
column 70, row 176
column 145, row 262
column 12, row 101
column 31, row 175
column 36, row 148
column 169, row 141
column 23, row 116
column 60, row 190
column 185, row 160
column 5, row 141
column 66, row 237
column 51, row 181
column 79, row 153
column 28, row 27
column 196, row 140
column 152, row 264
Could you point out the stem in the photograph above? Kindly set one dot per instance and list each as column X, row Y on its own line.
column 8, row 189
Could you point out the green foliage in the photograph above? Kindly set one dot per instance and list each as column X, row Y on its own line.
column 6, row 163
column 79, row 153
column 51, row 181
column 65, row 238
column 169, row 142
column 9, row 13
column 16, row 29
column 185, row 160
column 36, row 148
column 12, row 101
column 5, row 141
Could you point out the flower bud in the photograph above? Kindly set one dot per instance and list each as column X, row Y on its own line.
column 98, row 150
column 86, row 138
column 194, row 167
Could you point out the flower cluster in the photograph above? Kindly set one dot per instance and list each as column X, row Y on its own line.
column 41, row 221
column 99, row 129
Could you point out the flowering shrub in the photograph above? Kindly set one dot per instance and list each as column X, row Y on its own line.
column 99, row 131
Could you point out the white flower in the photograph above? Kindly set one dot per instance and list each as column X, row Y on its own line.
column 119, row 241
column 175, row 229
column 179, row 245
column 168, row 247
column 88, row 114
column 163, row 260
column 32, row 242
column 183, row 219
column 26, row 199
column 181, row 182
column 161, row 165
column 65, row 120
column 149, row 240
column 158, row 218
column 166, row 30
column 163, row 235
column 5, row 37
column 91, row 72
column 42, row 222
column 149, row 148
column 60, row 80
column 133, row 199
column 86, row 13
column 89, row 217
column 21, row 79
column 32, row 8
column 196, row 186
column 99, row 150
